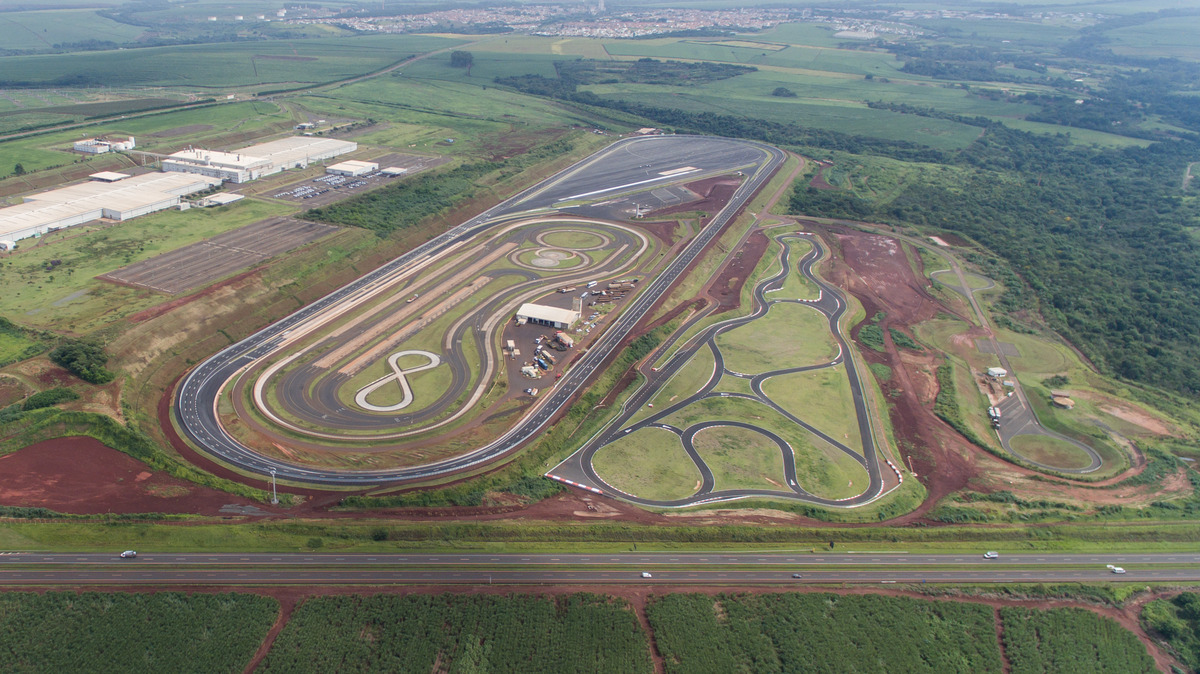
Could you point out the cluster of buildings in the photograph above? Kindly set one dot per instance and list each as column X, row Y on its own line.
column 116, row 196
column 257, row 161
column 102, row 145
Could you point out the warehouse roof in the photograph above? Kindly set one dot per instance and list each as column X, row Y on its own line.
column 91, row 197
column 290, row 149
column 542, row 312
column 109, row 176
column 353, row 165
column 224, row 159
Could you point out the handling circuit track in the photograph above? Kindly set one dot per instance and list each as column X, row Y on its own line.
column 627, row 167
column 579, row 469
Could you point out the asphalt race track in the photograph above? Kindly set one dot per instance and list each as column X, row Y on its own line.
column 626, row 166
column 578, row 467
column 625, row 569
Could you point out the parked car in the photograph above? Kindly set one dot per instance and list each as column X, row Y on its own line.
column 129, row 554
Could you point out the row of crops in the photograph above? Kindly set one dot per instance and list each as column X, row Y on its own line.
column 694, row 633
column 118, row 632
column 484, row 633
column 821, row 632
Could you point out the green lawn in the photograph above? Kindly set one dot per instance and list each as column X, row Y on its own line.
column 686, row 381
column 649, row 463
column 790, row 335
column 740, row 459
column 796, row 286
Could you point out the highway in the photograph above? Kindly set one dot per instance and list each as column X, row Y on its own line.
column 548, row 568
column 609, row 170
column 578, row 468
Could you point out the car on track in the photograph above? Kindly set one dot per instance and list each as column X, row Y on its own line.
column 646, row 574
column 991, row 554
column 129, row 554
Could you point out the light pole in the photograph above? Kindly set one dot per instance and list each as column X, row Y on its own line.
column 274, row 496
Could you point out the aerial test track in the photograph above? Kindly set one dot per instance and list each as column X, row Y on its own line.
column 628, row 167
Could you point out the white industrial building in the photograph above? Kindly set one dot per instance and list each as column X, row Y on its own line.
column 101, row 145
column 352, row 168
column 257, row 161
column 394, row 171
column 84, row 202
column 540, row 314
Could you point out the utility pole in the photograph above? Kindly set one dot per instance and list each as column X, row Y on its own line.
column 274, row 495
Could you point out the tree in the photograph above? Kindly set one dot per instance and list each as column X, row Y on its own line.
column 19, row 170
column 461, row 59
column 84, row 359
column 783, row 92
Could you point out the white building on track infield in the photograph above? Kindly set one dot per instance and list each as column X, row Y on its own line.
column 76, row 204
column 540, row 314
column 257, row 161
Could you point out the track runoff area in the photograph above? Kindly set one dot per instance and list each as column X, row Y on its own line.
column 363, row 386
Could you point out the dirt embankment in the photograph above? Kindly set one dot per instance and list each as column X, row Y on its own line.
column 876, row 271
column 81, row 476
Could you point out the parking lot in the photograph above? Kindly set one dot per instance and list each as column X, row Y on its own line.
column 327, row 189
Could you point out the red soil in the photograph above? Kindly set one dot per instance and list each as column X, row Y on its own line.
column 82, row 476
column 819, row 181
column 727, row 289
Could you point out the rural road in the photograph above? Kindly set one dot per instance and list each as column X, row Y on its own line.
column 672, row 568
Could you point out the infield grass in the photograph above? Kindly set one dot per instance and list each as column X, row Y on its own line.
column 740, row 459
column 1050, row 451
column 790, row 335
column 821, row 398
column 649, row 463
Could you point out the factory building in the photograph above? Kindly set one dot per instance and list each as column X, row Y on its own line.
column 84, row 202
column 101, row 145
column 540, row 314
column 352, row 168
column 257, row 161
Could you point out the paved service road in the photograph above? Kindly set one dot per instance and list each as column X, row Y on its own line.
column 476, row 569
column 626, row 166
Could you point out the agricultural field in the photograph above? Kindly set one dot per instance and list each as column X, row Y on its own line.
column 1070, row 640
column 421, row 633
column 161, row 632
column 44, row 30
column 225, row 65
column 821, row 633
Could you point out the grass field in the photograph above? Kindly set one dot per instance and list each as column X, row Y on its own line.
column 796, row 286
column 1173, row 37
column 66, row 297
column 232, row 64
column 649, row 463
column 686, row 381
column 821, row 398
column 790, row 335
column 118, row 631
column 740, row 459
column 821, row 468
column 1050, row 451
column 459, row 633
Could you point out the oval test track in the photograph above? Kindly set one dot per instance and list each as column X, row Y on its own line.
column 613, row 170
